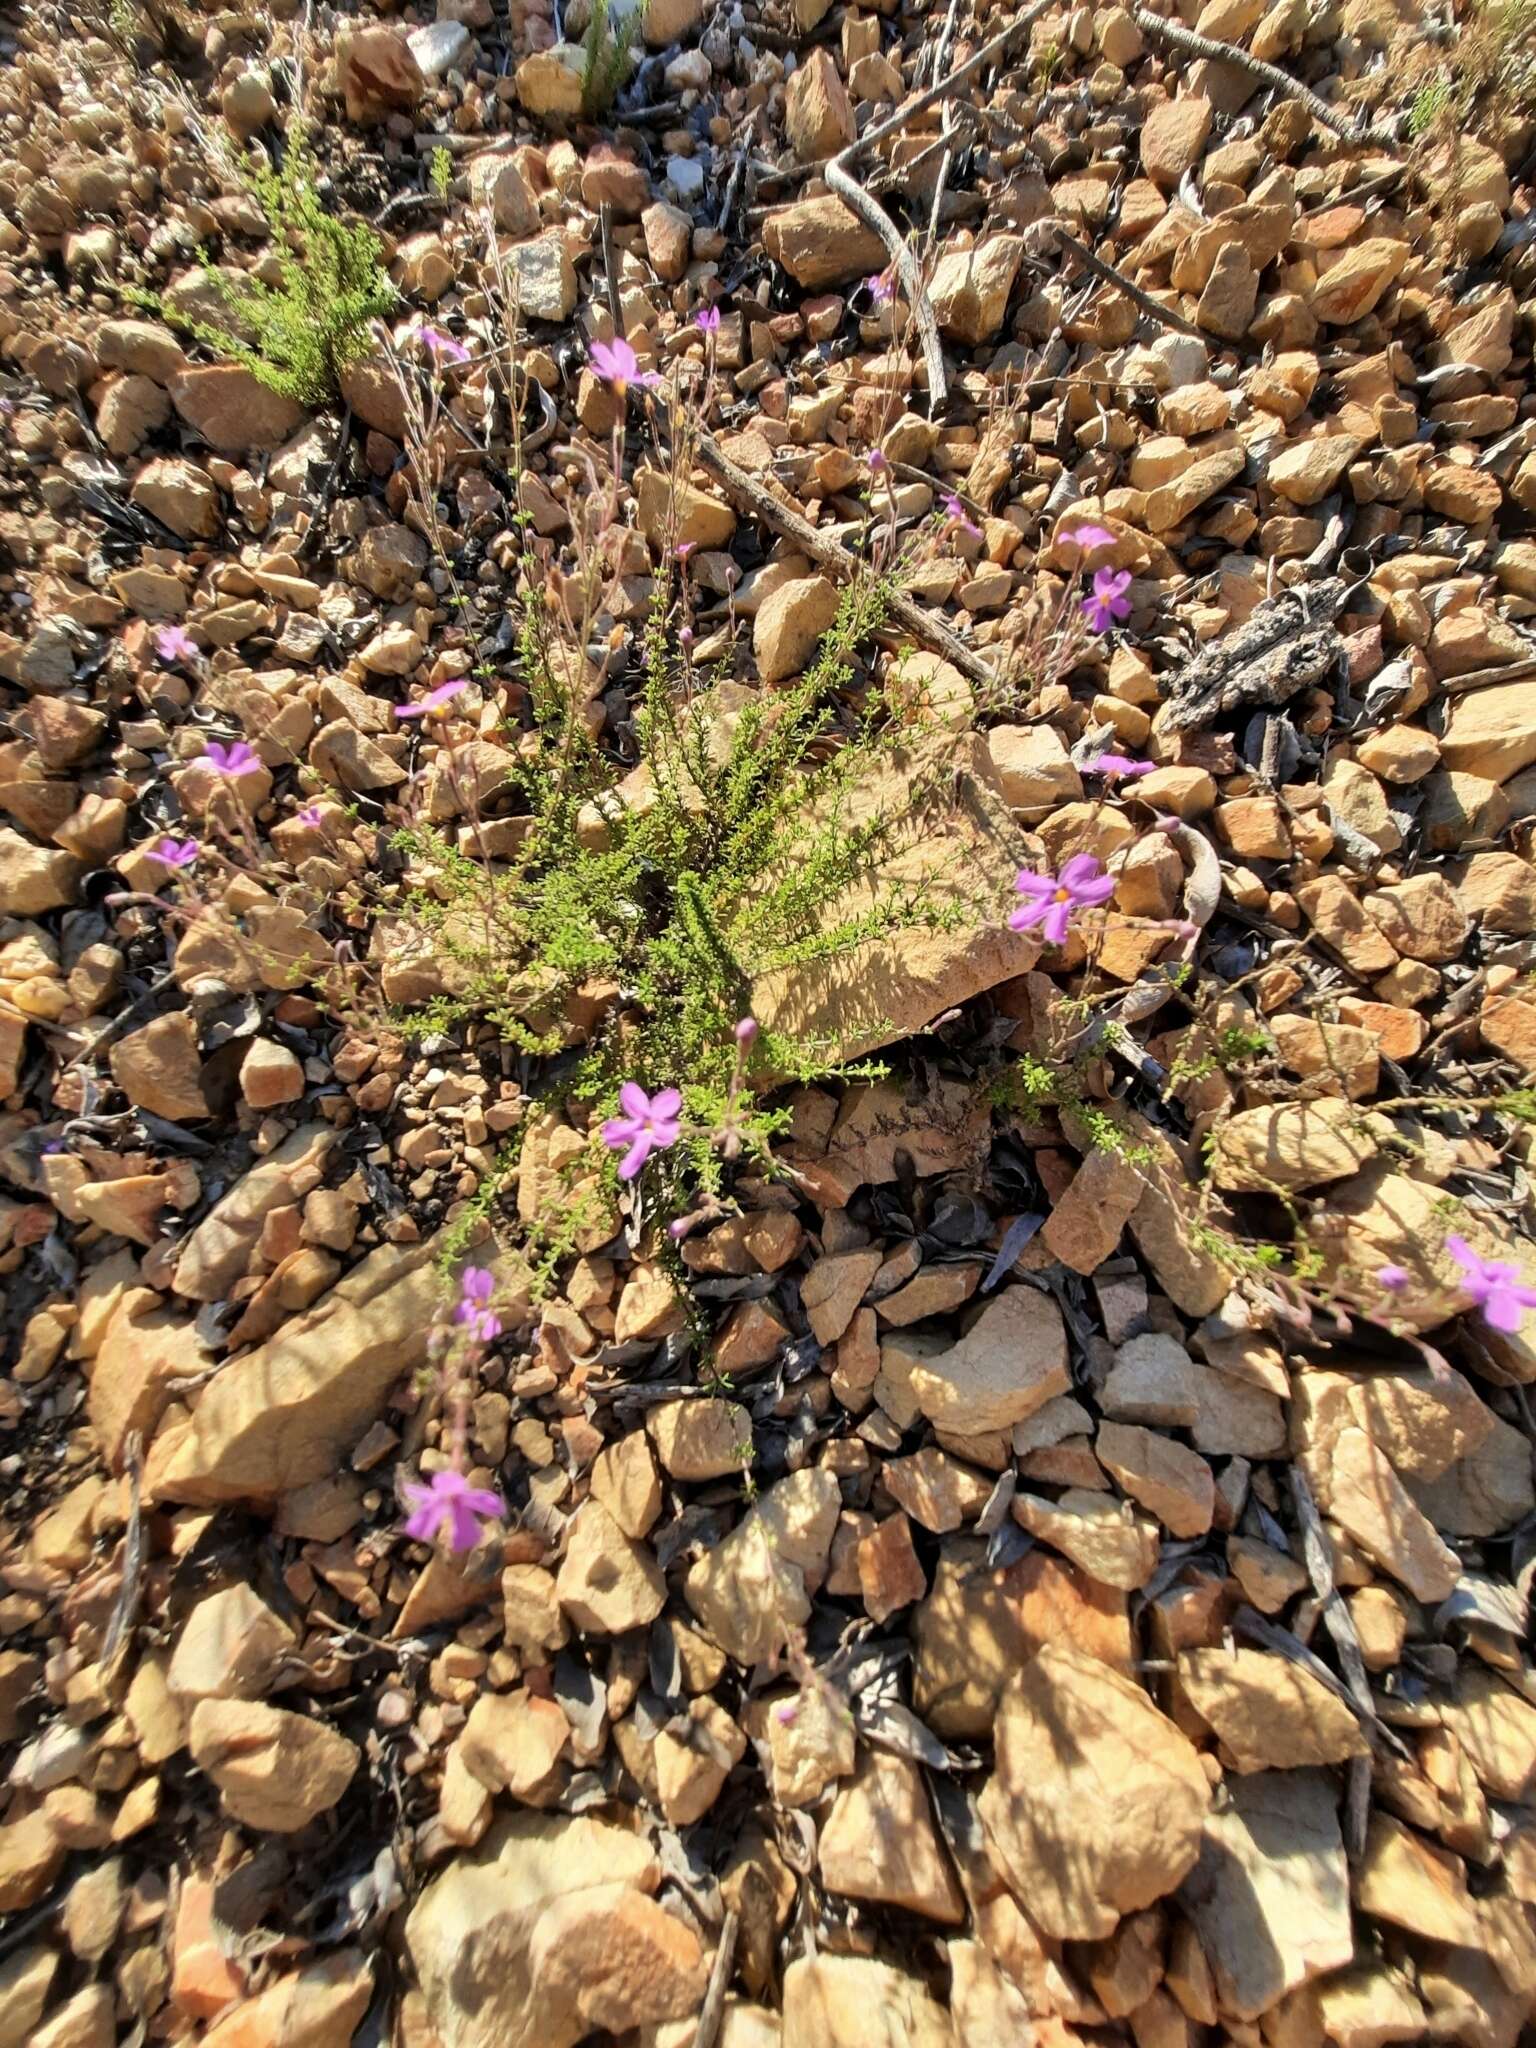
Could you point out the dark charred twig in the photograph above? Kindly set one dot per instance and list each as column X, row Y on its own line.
column 839, row 175
column 1268, row 74
column 610, row 269
column 322, row 502
column 1107, row 274
column 923, row 625
column 713, row 2009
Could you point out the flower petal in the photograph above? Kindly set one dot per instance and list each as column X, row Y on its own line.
column 666, row 1102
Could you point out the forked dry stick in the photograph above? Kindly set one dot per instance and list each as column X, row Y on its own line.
column 839, row 175
column 1216, row 52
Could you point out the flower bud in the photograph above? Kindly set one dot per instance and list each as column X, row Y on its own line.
column 746, row 1031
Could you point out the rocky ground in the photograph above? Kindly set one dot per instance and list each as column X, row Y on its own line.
column 1048, row 1563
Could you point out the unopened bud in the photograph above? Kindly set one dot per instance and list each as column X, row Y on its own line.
column 746, row 1031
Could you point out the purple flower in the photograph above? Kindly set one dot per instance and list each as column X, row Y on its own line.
column 707, row 319
column 954, row 510
column 1109, row 601
column 434, row 700
column 1393, row 1278
column 1054, row 898
column 881, row 288
column 175, row 643
column 476, row 1287
column 1090, row 537
column 649, row 1124
column 877, row 461
column 238, row 758
column 617, row 363
column 1117, row 766
column 746, row 1031
column 442, row 347
column 312, row 816
column 450, row 1502
column 175, row 853
column 1494, row 1285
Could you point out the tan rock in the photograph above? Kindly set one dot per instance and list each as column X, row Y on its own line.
column 1269, row 1895
column 1352, row 285
column 1421, row 917
column 1291, row 1145
column 144, row 1351
column 703, row 1439
column 274, row 1770
column 231, row 1648
column 755, row 1586
column 820, row 242
column 1153, row 1380
column 833, row 2001
column 1496, row 1728
column 1169, row 1480
column 31, row 1857
column 516, row 1742
column 681, row 515
column 319, row 2006
column 377, row 73
column 1096, row 1803
column 287, row 1412
column 970, row 288
column 625, row 1480
column 1010, row 1362
column 550, row 82
column 472, row 1932
column 1267, row 1712
column 1172, row 138
column 180, row 495
column 818, row 118
column 608, row 1582
column 1306, row 471
column 833, row 1289
column 1371, row 1504
column 1407, row 1881
column 1490, row 733
column 880, row 1843
column 790, row 624
column 231, row 410
column 694, row 1755
column 890, row 1575
column 1106, row 1537
column 215, row 1256
column 159, row 1068
column 1085, row 1223
column 1033, row 768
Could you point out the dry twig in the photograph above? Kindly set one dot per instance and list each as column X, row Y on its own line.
column 839, row 175
column 1107, row 274
column 1268, row 74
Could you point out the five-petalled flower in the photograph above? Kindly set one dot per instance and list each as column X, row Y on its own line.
column 175, row 643
column 476, row 1287
column 450, row 1503
column 618, row 365
column 175, row 853
column 238, row 758
column 1052, row 900
column 649, row 1123
column 955, row 511
column 1494, row 1285
column 881, row 287
column 1088, row 536
column 707, row 319
column 435, row 700
column 1108, row 601
column 443, row 348
column 1117, row 767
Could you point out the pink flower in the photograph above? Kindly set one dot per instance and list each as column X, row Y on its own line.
column 450, row 1502
column 881, row 288
column 1393, row 1278
column 476, row 1287
column 617, row 363
column 954, row 510
column 877, row 460
column 1053, row 899
column 1109, row 601
column 649, row 1124
column 1089, row 537
column 1117, row 766
column 238, row 758
column 707, row 319
column 175, row 643
column 175, row 853
column 312, row 816
column 434, row 700
column 746, row 1031
column 442, row 347
column 1494, row 1285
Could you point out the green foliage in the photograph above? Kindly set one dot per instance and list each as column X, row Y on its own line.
column 305, row 330
column 729, row 871
column 440, row 171
column 1429, row 103
column 609, row 59
column 1027, row 1085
